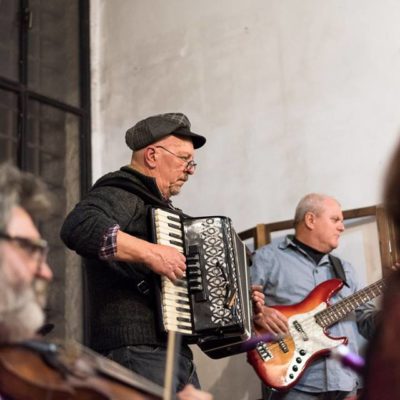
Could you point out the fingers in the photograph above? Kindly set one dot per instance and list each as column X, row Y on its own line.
column 396, row 266
column 258, row 307
column 168, row 261
column 257, row 297
column 272, row 321
column 175, row 275
column 278, row 327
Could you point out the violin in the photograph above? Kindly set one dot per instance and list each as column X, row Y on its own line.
column 36, row 370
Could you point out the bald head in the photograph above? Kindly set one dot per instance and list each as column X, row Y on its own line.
column 312, row 202
column 318, row 222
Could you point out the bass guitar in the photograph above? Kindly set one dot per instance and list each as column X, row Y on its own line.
column 280, row 364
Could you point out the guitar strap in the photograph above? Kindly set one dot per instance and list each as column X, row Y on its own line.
column 338, row 269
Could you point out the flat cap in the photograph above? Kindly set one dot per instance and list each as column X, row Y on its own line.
column 151, row 129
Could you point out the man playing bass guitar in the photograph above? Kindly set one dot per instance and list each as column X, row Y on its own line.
column 288, row 271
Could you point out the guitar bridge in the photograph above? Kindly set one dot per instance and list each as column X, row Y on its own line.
column 263, row 351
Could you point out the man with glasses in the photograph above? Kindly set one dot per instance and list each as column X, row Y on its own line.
column 24, row 272
column 110, row 229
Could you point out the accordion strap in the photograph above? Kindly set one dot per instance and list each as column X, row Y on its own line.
column 128, row 186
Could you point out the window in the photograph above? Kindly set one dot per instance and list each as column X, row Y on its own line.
column 45, row 123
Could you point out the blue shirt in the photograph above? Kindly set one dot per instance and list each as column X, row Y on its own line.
column 288, row 274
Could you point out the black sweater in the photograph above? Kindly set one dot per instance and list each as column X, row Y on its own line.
column 119, row 313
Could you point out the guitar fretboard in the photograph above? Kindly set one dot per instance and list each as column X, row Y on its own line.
column 339, row 310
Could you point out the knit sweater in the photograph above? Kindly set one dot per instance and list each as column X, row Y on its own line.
column 120, row 314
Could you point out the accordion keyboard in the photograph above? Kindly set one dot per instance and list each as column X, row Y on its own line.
column 175, row 296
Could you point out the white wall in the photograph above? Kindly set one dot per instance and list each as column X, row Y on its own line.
column 293, row 95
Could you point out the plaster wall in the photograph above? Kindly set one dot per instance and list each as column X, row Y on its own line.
column 293, row 96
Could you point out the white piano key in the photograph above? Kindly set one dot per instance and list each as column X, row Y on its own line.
column 178, row 293
column 174, row 322
column 179, row 283
column 171, row 327
column 166, row 236
column 167, row 243
column 171, row 303
column 164, row 223
column 176, row 296
column 173, row 313
column 178, row 300
column 167, row 215
column 170, row 285
column 165, row 228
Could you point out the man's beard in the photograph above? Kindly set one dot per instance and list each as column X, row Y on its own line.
column 20, row 314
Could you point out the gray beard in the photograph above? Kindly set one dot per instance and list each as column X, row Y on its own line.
column 20, row 314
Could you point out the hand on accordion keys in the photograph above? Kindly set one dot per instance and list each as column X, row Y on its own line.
column 167, row 261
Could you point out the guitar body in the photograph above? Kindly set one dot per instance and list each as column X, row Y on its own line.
column 281, row 364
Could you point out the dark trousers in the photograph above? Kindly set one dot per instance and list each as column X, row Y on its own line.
column 149, row 362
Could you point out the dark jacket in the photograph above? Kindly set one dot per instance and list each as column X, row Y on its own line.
column 120, row 314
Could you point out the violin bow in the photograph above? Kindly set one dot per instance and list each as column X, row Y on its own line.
column 173, row 346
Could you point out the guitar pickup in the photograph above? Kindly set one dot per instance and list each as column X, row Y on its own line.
column 283, row 346
column 300, row 329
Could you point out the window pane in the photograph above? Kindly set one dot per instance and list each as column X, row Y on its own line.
column 8, row 126
column 9, row 34
column 53, row 58
column 53, row 154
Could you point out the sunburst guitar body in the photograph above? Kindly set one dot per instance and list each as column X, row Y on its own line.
column 281, row 364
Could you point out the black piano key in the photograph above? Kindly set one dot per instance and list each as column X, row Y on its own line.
column 173, row 218
column 175, row 235
column 180, row 283
column 186, row 303
column 180, row 309
column 180, row 300
column 183, row 319
column 174, row 242
column 178, row 227
column 183, row 327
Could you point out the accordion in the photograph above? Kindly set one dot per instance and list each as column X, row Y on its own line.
column 211, row 303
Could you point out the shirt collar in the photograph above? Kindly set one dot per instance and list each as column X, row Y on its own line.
column 289, row 242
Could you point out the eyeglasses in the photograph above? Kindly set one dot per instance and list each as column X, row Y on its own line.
column 190, row 165
column 35, row 248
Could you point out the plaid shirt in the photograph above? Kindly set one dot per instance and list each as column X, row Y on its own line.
column 108, row 249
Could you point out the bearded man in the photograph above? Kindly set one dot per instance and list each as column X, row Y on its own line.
column 24, row 272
